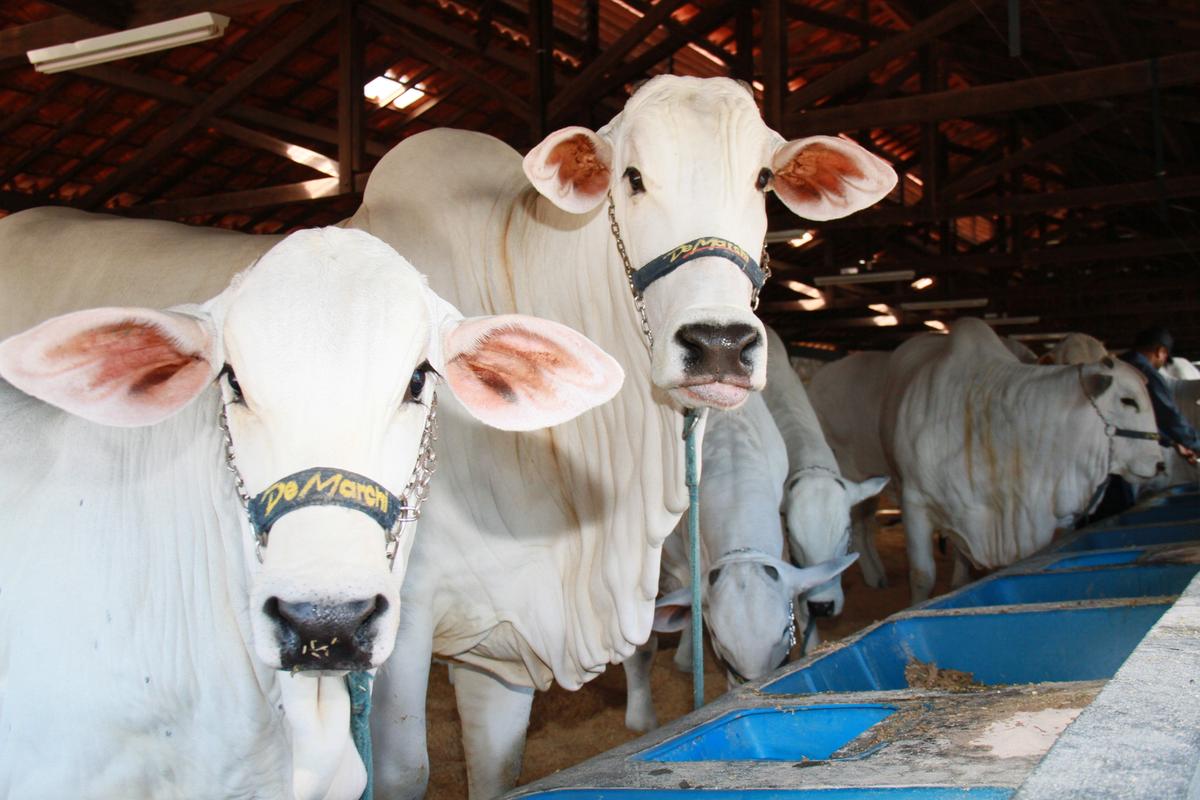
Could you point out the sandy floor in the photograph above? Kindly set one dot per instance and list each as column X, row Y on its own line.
column 568, row 727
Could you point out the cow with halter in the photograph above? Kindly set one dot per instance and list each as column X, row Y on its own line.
column 545, row 568
column 202, row 515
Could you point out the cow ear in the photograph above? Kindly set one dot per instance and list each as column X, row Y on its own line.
column 518, row 373
column 803, row 580
column 673, row 612
column 572, row 168
column 866, row 489
column 116, row 366
column 1096, row 383
column 824, row 177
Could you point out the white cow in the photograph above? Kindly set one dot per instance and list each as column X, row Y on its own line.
column 997, row 454
column 847, row 396
column 545, row 568
column 749, row 588
column 818, row 498
column 1020, row 350
column 545, row 565
column 1076, row 348
column 144, row 650
column 1180, row 369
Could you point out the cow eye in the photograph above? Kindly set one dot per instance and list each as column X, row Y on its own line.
column 712, row 576
column 416, row 384
column 764, row 179
column 235, row 388
column 772, row 573
column 1129, row 401
column 635, row 180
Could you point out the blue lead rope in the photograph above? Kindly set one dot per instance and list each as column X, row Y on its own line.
column 692, row 478
column 359, row 686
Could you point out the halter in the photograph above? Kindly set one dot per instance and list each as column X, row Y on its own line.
column 794, row 478
column 1112, row 432
column 338, row 487
column 663, row 265
column 743, row 555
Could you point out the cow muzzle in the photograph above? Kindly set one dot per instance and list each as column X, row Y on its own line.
column 326, row 636
column 715, row 363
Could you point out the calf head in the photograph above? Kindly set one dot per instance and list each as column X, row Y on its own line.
column 817, row 514
column 748, row 599
column 327, row 352
column 1119, row 398
column 687, row 164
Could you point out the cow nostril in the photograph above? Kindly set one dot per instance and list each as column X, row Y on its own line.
column 323, row 621
column 692, row 344
column 821, row 609
column 1161, row 468
column 749, row 345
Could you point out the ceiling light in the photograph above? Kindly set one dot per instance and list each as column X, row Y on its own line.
column 880, row 308
column 865, row 277
column 801, row 240
column 802, row 288
column 926, row 305
column 922, row 283
column 885, row 320
column 386, row 91
column 126, row 44
column 814, row 304
column 937, row 325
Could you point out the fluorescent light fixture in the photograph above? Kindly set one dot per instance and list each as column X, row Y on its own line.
column 126, row 44
column 865, row 277
column 922, row 283
column 885, row 320
column 937, row 325
column 801, row 240
column 803, row 288
column 880, row 308
column 927, row 305
column 787, row 234
column 812, row 304
column 998, row 321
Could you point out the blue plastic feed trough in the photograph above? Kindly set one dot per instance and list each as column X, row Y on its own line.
column 1157, row 514
column 1146, row 536
column 883, row 793
column 1095, row 560
column 1149, row 581
column 804, row 733
column 1017, row 647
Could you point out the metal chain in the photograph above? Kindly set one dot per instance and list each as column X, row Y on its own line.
column 765, row 262
column 639, row 302
column 416, row 492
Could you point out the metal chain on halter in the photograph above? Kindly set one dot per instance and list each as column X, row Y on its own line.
column 639, row 302
column 416, row 492
column 765, row 263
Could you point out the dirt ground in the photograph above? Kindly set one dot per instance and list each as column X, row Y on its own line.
column 568, row 727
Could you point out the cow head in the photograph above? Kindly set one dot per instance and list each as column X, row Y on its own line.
column 327, row 353
column 817, row 510
column 1122, row 402
column 748, row 606
column 687, row 163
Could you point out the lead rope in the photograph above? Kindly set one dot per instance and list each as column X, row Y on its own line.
column 416, row 491
column 691, row 472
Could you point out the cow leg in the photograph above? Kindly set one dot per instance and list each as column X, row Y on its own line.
column 683, row 653
column 495, row 716
column 862, row 541
column 962, row 569
column 919, row 533
column 639, row 704
column 398, row 711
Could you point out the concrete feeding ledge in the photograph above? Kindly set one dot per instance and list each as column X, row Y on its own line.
column 1140, row 737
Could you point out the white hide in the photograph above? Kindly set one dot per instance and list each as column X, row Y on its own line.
column 847, row 396
column 137, row 657
column 998, row 454
column 1180, row 369
column 748, row 589
column 1076, row 348
column 818, row 499
column 1020, row 350
column 1186, row 394
column 542, row 560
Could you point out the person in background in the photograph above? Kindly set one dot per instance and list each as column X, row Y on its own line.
column 1151, row 350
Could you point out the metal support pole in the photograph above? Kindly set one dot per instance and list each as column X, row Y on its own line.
column 692, row 477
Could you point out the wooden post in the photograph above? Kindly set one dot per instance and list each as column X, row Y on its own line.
column 541, row 72
column 775, row 61
column 744, row 29
column 350, row 97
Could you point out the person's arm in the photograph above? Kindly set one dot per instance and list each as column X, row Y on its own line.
column 1171, row 422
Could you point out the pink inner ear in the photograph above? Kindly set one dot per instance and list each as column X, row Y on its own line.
column 579, row 164
column 816, row 171
column 134, row 357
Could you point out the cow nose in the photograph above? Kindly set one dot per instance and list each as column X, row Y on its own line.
column 325, row 636
column 1161, row 468
column 820, row 609
column 718, row 350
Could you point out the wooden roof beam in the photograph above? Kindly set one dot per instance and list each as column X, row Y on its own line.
column 855, row 71
column 1066, row 87
column 113, row 14
column 835, row 22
